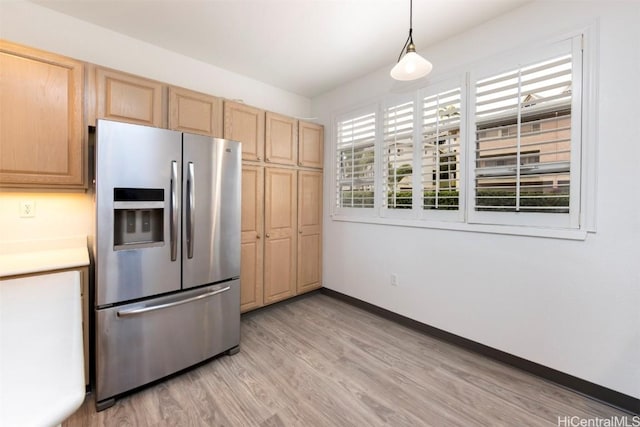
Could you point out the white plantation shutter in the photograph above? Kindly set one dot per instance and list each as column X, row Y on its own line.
column 441, row 117
column 398, row 156
column 499, row 145
column 527, row 137
column 355, row 156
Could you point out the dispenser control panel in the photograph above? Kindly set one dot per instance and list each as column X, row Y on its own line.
column 138, row 217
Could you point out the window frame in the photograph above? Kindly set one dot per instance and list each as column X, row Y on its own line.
column 442, row 86
column 531, row 56
column 384, row 210
column 583, row 177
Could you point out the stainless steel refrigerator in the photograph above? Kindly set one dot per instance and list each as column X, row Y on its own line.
column 167, row 253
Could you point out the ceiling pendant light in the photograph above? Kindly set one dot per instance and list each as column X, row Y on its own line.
column 411, row 66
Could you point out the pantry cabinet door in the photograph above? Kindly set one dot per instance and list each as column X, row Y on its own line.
column 281, row 139
column 280, row 234
column 309, row 231
column 245, row 124
column 251, row 257
column 311, row 143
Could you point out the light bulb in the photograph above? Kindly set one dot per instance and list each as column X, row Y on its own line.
column 410, row 67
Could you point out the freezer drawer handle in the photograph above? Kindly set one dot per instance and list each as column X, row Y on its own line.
column 126, row 313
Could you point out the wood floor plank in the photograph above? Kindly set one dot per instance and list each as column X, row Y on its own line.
column 448, row 356
column 317, row 361
column 387, row 359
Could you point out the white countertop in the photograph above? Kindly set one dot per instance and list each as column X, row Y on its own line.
column 35, row 256
column 41, row 352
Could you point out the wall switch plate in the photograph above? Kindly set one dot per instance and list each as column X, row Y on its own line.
column 27, row 209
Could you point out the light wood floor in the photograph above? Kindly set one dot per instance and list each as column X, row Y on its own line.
column 317, row 361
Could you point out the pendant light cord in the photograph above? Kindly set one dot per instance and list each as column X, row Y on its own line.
column 410, row 16
column 410, row 38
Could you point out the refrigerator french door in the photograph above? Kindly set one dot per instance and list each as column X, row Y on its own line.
column 167, row 253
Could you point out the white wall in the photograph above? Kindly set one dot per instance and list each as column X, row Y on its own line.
column 60, row 215
column 57, row 215
column 570, row 305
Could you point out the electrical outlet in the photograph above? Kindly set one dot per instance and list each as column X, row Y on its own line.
column 27, row 209
column 394, row 279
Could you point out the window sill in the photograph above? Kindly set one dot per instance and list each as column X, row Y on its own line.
column 553, row 233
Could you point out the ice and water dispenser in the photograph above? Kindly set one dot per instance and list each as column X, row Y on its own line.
column 138, row 217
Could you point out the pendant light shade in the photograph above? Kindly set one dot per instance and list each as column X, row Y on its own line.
column 411, row 66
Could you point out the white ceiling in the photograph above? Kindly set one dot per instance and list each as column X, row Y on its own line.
column 303, row 46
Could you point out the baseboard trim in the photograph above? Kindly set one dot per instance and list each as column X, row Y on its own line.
column 280, row 303
column 610, row 397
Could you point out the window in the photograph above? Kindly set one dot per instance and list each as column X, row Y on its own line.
column 500, row 145
column 355, row 156
column 398, row 156
column 441, row 115
column 525, row 143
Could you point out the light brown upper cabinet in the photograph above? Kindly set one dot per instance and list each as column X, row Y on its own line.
column 311, row 143
column 127, row 98
column 245, row 124
column 280, row 234
column 251, row 253
column 309, row 231
column 281, row 139
column 195, row 112
column 41, row 125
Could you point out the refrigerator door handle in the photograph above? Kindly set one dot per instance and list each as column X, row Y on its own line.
column 126, row 313
column 173, row 225
column 191, row 209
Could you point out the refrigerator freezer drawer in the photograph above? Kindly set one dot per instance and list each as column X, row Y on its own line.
column 141, row 342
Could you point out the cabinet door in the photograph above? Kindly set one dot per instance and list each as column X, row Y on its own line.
column 127, row 98
column 311, row 143
column 280, row 234
column 281, row 139
column 251, row 258
column 309, row 231
column 41, row 129
column 195, row 112
column 245, row 124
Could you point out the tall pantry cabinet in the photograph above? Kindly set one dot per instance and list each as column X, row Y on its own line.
column 281, row 204
column 310, row 162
